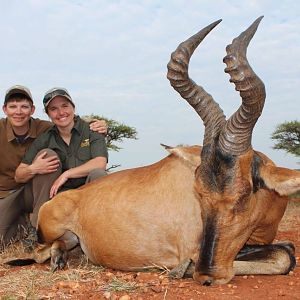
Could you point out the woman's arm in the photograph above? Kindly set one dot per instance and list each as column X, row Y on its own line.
column 41, row 165
column 77, row 172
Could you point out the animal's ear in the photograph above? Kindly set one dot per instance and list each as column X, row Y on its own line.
column 190, row 155
column 283, row 181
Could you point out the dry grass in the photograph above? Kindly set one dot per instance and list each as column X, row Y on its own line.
column 15, row 249
column 118, row 285
column 32, row 282
column 26, row 287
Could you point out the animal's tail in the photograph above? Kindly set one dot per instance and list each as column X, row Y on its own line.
column 20, row 262
column 40, row 254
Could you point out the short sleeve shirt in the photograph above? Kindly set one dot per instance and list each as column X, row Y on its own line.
column 84, row 146
column 12, row 151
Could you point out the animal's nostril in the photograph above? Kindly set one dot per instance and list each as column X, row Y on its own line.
column 207, row 282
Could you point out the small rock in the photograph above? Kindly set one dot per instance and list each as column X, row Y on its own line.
column 281, row 293
column 245, row 277
column 109, row 274
column 107, row 295
column 255, row 287
column 125, row 297
column 67, row 285
column 146, row 277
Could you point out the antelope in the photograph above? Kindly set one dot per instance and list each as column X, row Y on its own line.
column 209, row 212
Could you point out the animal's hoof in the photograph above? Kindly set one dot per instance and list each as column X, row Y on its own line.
column 179, row 271
column 57, row 264
column 58, row 259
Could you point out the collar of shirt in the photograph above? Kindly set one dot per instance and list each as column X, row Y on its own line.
column 10, row 132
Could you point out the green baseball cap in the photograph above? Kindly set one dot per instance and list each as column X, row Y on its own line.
column 54, row 92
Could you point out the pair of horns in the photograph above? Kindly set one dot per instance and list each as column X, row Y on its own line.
column 234, row 135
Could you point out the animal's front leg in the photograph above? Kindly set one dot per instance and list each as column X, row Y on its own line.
column 184, row 270
column 269, row 259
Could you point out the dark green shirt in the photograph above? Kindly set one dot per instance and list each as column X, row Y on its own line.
column 84, row 145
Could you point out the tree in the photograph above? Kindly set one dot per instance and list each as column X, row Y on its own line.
column 117, row 132
column 287, row 137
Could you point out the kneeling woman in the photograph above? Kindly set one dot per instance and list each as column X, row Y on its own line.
column 66, row 156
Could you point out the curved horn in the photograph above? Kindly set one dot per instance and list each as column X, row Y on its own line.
column 235, row 138
column 203, row 103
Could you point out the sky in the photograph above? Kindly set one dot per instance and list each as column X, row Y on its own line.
column 112, row 57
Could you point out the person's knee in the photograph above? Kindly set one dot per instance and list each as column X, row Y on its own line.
column 41, row 183
column 49, row 152
column 95, row 174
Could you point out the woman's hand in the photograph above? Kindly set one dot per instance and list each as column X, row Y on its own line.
column 60, row 181
column 99, row 126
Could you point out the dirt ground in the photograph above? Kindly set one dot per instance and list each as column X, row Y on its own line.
column 82, row 280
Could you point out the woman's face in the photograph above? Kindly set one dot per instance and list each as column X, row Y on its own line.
column 19, row 112
column 61, row 112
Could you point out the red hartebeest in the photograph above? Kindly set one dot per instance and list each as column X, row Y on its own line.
column 210, row 211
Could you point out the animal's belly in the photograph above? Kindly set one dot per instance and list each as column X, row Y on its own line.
column 128, row 248
column 127, row 233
